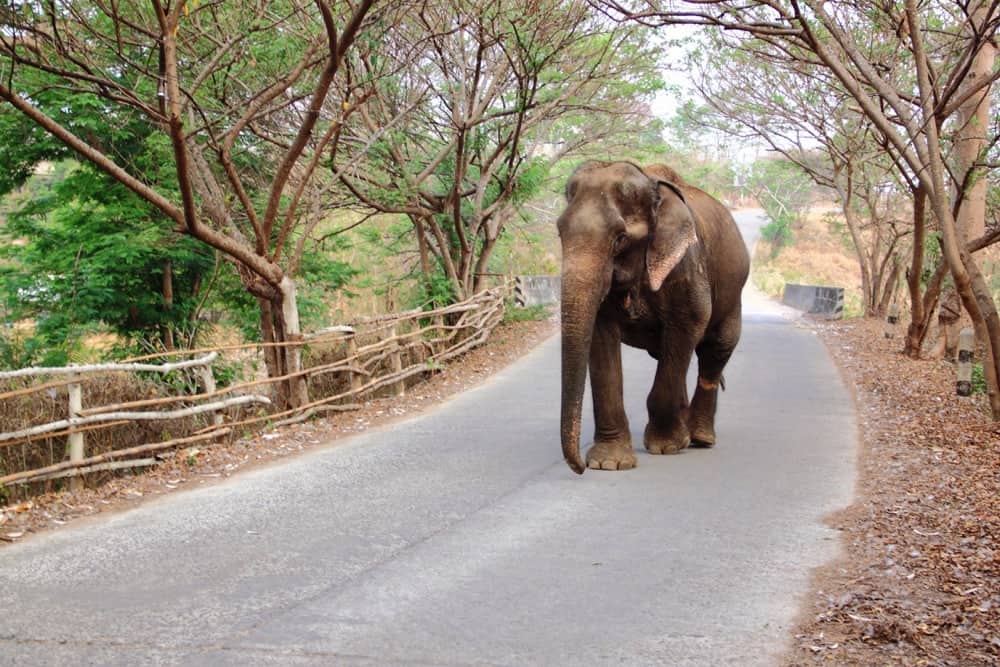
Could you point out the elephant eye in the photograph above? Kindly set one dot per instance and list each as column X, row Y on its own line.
column 620, row 242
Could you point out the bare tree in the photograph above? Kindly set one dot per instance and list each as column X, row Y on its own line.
column 945, row 48
column 242, row 94
column 499, row 91
column 755, row 92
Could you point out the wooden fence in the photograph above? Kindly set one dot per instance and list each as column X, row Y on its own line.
column 216, row 392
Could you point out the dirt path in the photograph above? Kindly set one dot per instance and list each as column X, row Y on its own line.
column 920, row 583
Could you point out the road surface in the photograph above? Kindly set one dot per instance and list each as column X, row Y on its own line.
column 460, row 537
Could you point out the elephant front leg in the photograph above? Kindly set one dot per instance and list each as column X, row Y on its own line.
column 667, row 430
column 612, row 449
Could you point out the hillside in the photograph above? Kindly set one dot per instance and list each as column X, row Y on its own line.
column 819, row 254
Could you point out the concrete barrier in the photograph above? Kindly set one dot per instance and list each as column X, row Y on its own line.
column 818, row 299
column 537, row 290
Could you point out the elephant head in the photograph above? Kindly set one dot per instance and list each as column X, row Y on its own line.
column 621, row 226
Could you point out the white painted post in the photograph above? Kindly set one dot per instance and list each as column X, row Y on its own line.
column 76, row 445
column 966, row 344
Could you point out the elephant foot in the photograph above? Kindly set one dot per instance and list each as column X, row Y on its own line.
column 702, row 439
column 670, row 443
column 615, row 455
column 701, row 422
column 702, row 433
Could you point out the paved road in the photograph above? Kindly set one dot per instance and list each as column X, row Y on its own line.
column 461, row 538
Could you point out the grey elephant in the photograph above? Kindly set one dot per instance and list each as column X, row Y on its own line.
column 657, row 264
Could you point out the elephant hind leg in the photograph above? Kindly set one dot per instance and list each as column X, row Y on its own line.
column 713, row 353
column 667, row 404
column 701, row 421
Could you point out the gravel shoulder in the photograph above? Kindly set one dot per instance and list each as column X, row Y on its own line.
column 205, row 464
column 919, row 583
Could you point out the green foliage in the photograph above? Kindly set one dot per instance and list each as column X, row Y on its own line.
column 435, row 291
column 320, row 275
column 89, row 251
column 778, row 231
column 784, row 191
column 515, row 313
column 932, row 256
column 978, row 379
column 541, row 88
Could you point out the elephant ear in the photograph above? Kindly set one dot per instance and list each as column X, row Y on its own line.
column 673, row 232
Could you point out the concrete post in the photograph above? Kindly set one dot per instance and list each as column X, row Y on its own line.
column 966, row 345
column 891, row 321
column 76, row 444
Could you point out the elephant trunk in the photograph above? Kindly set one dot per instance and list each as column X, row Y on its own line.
column 580, row 302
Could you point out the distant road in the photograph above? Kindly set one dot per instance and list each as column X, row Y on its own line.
column 460, row 537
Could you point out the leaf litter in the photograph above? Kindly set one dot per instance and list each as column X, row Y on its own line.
column 919, row 581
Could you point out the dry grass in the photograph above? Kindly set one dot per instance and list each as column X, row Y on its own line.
column 819, row 256
column 49, row 405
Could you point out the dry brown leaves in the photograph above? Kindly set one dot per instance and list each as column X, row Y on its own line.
column 204, row 464
column 920, row 581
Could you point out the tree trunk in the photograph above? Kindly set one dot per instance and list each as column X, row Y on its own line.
column 425, row 262
column 479, row 277
column 846, row 201
column 298, row 389
column 919, row 319
column 888, row 290
column 929, row 303
column 970, row 220
column 969, row 282
column 168, row 305
column 272, row 359
column 973, row 124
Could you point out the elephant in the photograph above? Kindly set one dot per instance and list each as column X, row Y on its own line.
column 654, row 263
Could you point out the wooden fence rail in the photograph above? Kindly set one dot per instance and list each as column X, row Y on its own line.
column 344, row 365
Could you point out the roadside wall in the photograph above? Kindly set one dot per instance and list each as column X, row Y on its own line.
column 537, row 290
column 817, row 299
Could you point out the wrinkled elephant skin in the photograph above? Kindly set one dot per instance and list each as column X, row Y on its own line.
column 651, row 262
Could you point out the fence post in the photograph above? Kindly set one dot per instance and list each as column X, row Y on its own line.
column 352, row 351
column 208, row 386
column 966, row 344
column 398, row 388
column 76, row 445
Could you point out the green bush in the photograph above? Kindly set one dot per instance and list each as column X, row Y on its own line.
column 514, row 313
column 978, row 379
column 778, row 232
